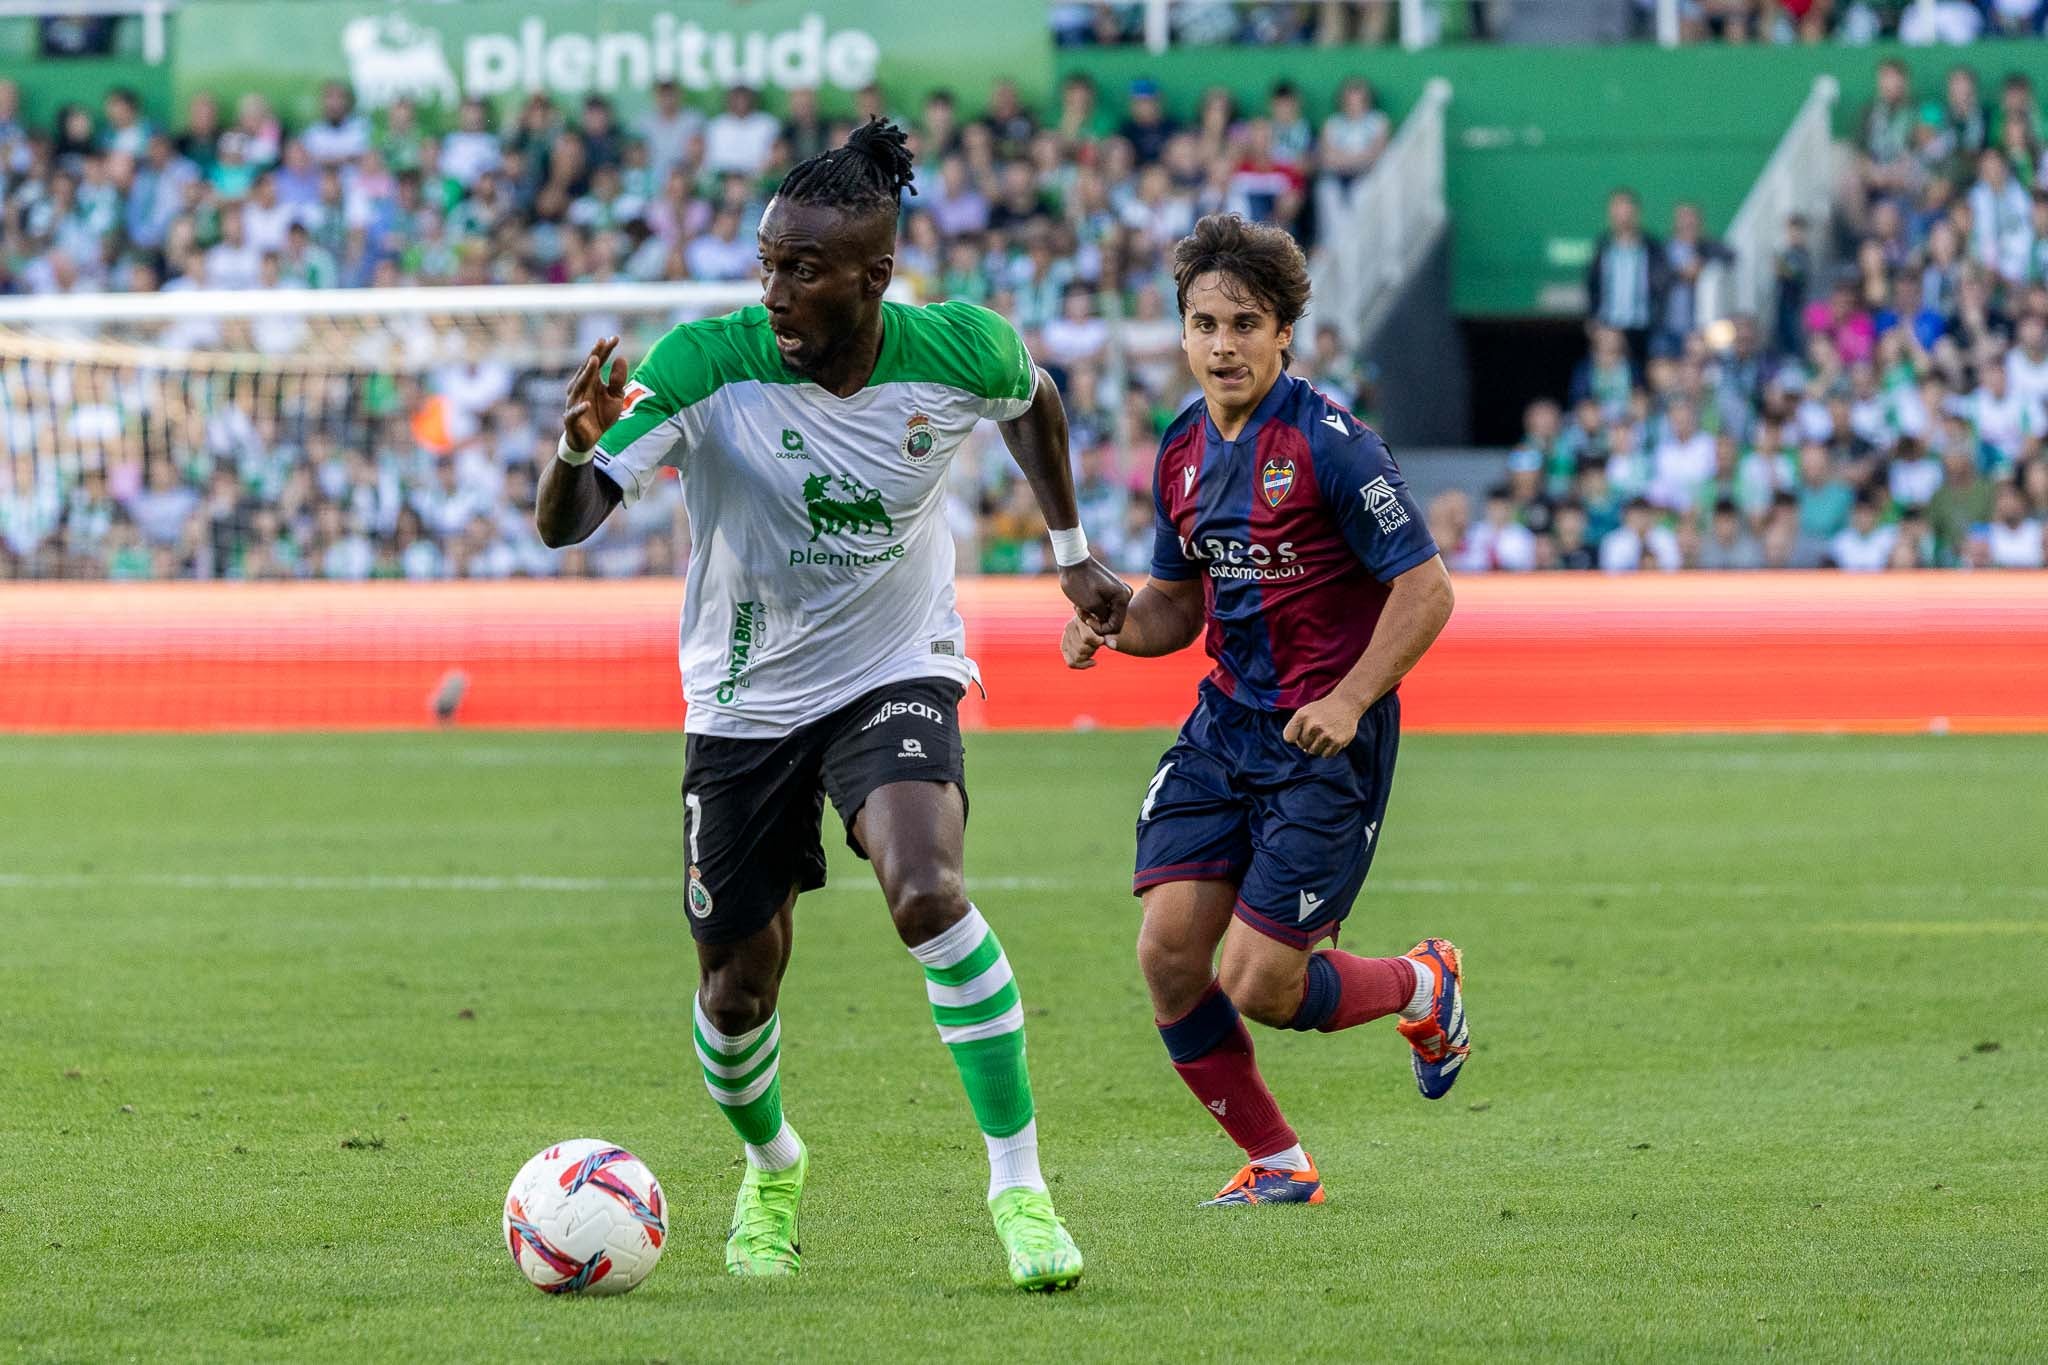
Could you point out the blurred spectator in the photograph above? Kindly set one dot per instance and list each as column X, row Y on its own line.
column 1352, row 139
column 1729, row 545
column 743, row 136
column 339, row 135
column 1640, row 542
column 1865, row 544
column 1146, row 126
column 1630, row 274
column 2013, row 538
column 1686, row 254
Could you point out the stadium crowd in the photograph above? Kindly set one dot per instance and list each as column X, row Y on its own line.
column 1063, row 225
column 1893, row 417
column 1886, row 416
column 1195, row 23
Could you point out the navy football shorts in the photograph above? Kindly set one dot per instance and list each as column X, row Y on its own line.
column 1234, row 802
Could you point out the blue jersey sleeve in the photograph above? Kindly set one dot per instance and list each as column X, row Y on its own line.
column 1370, row 500
column 1170, row 562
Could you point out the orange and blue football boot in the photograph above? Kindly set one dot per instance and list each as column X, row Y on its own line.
column 1441, row 1040
column 1271, row 1185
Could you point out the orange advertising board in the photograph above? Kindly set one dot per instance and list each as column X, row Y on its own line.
column 1555, row 653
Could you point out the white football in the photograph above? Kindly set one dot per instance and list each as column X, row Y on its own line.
column 585, row 1217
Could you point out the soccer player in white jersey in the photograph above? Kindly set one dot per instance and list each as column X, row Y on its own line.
column 821, row 651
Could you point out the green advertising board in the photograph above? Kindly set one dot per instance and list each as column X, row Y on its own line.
column 504, row 50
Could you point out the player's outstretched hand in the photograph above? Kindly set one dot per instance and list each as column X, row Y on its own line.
column 1079, row 641
column 593, row 403
column 1097, row 594
column 1325, row 727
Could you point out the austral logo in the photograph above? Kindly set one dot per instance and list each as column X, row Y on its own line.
column 1276, row 480
column 839, row 506
column 919, row 440
column 1384, row 504
column 792, row 446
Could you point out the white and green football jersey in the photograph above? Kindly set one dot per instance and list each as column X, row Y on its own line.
column 821, row 563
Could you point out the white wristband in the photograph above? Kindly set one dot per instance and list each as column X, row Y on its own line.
column 568, row 454
column 1069, row 547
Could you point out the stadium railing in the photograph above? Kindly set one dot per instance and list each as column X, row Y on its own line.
column 1800, row 177
column 1394, row 219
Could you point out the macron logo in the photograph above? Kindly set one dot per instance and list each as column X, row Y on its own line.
column 1310, row 903
column 1219, row 1107
column 1336, row 424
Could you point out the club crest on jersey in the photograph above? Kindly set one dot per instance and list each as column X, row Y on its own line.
column 1384, row 504
column 919, row 440
column 1276, row 480
column 635, row 391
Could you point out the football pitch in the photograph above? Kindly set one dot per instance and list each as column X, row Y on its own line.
column 1760, row 1026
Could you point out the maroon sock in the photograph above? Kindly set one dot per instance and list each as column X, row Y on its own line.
column 1345, row 990
column 1213, row 1053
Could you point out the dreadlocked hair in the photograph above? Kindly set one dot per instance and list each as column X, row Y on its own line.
column 865, row 176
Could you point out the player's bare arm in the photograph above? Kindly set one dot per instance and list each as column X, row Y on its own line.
column 1038, row 442
column 573, row 500
column 1418, row 606
column 1165, row 616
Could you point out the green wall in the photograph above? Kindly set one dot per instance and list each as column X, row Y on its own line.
column 1538, row 136
column 48, row 84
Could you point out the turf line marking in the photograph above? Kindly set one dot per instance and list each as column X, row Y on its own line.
column 487, row 884
column 232, row 881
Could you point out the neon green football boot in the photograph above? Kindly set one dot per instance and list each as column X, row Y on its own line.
column 1043, row 1258
column 763, row 1237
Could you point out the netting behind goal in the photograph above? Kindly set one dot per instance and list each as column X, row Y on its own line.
column 245, row 435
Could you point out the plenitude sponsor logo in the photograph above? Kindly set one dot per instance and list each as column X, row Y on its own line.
column 841, row 507
column 390, row 57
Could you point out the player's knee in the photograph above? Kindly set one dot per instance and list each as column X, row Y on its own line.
column 927, row 905
column 1177, row 967
column 1262, row 993
column 735, row 1000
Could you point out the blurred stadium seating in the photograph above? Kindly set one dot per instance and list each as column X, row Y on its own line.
column 1824, row 342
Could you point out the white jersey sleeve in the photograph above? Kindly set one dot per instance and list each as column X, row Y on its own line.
column 663, row 417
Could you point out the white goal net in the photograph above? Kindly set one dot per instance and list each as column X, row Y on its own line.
column 297, row 433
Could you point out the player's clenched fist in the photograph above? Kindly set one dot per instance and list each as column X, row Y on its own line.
column 1324, row 727
column 593, row 402
column 1097, row 593
column 1080, row 641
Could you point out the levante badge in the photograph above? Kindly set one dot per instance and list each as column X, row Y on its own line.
column 1276, row 480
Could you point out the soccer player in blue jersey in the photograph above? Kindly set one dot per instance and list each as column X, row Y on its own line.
column 1286, row 538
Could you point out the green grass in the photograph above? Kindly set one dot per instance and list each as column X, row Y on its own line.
column 1761, row 1025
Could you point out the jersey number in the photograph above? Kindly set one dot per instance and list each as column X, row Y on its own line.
column 693, row 822
column 1152, row 792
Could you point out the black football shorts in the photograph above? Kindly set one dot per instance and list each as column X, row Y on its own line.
column 753, row 809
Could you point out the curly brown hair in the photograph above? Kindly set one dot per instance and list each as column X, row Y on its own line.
column 1261, row 261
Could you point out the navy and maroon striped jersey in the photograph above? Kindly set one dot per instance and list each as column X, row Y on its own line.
column 1299, row 525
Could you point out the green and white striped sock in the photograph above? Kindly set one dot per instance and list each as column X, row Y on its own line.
column 981, row 1019
column 743, row 1074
